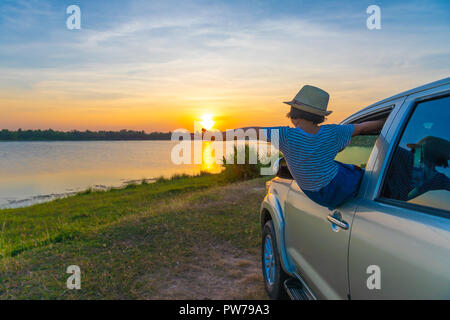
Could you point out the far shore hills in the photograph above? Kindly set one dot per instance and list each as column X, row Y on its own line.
column 87, row 135
column 75, row 135
column 122, row 135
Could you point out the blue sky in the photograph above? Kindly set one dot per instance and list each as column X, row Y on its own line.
column 153, row 64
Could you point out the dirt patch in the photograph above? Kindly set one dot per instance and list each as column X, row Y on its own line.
column 215, row 272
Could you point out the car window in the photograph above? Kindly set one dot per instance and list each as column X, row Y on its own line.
column 419, row 171
column 358, row 151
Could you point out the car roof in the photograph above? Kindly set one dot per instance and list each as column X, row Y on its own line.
column 373, row 107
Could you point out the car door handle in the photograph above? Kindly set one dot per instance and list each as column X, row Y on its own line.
column 336, row 220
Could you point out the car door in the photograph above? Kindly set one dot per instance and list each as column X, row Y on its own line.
column 400, row 240
column 318, row 247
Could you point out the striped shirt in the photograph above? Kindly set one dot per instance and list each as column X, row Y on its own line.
column 310, row 157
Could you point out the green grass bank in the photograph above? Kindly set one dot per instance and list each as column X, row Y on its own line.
column 186, row 237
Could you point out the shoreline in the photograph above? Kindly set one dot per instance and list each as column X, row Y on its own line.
column 45, row 198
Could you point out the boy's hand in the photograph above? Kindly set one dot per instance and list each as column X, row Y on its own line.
column 368, row 127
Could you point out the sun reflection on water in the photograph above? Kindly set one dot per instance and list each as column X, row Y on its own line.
column 209, row 162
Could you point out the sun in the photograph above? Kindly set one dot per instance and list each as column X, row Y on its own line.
column 207, row 121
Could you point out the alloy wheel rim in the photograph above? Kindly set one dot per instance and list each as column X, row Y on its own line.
column 269, row 260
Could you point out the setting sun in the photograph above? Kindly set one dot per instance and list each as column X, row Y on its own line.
column 207, row 121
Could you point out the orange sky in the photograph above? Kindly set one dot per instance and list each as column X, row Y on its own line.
column 165, row 111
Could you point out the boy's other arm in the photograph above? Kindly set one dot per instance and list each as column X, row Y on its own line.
column 224, row 133
column 367, row 127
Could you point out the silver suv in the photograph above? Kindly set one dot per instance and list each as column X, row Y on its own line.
column 390, row 242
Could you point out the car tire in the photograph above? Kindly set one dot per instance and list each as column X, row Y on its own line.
column 273, row 274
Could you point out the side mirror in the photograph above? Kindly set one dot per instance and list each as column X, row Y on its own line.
column 282, row 169
column 276, row 166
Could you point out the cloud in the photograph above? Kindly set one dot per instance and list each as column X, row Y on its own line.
column 186, row 52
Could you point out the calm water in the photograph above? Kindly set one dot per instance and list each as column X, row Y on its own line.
column 32, row 172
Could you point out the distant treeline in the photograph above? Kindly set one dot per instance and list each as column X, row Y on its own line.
column 364, row 141
column 52, row 135
column 74, row 135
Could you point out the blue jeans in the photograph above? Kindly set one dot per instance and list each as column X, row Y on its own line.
column 344, row 186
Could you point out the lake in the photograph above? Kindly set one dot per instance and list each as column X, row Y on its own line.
column 33, row 172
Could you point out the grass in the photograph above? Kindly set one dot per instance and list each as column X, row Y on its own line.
column 177, row 238
column 235, row 171
column 52, row 222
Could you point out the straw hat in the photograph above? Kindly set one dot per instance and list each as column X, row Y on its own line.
column 311, row 99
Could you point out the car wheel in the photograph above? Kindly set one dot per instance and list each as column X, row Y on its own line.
column 273, row 273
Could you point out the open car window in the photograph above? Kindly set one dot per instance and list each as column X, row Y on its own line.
column 359, row 150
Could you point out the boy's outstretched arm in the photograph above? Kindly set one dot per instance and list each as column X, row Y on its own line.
column 224, row 133
column 368, row 127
